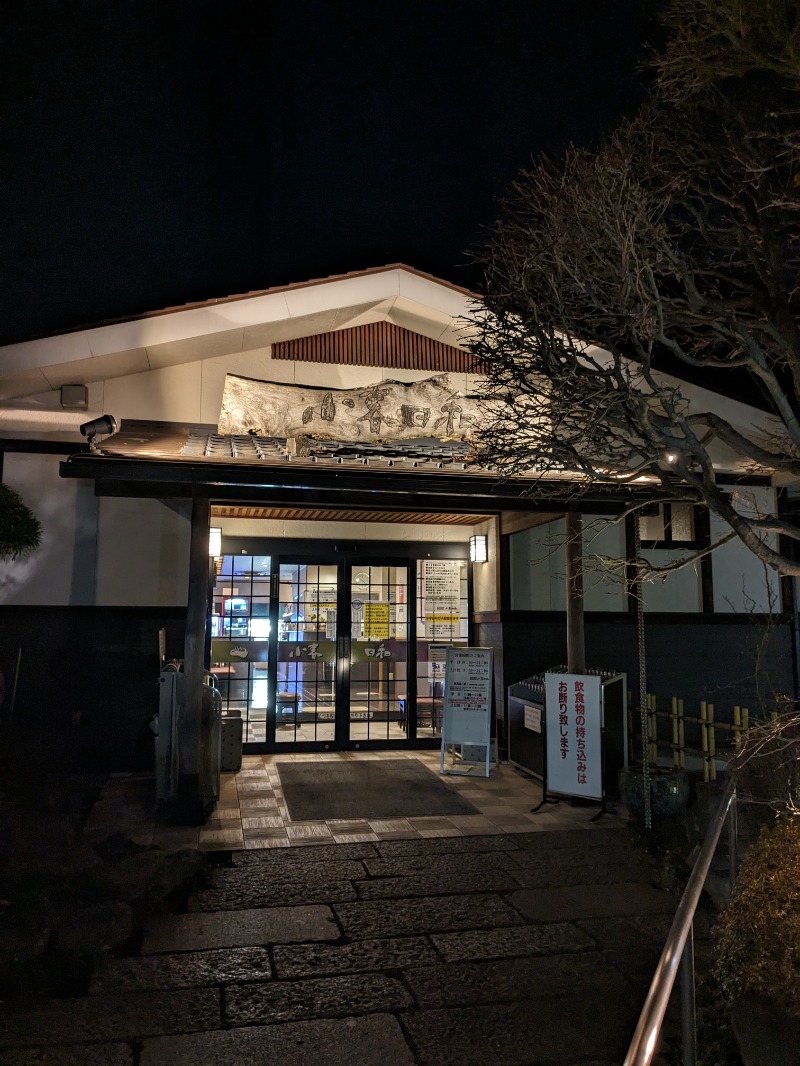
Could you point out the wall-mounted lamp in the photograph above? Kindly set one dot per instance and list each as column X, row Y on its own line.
column 215, row 542
column 477, row 549
column 671, row 456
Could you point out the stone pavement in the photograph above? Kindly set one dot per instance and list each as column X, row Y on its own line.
column 499, row 950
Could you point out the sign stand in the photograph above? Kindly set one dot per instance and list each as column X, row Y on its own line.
column 467, row 709
column 573, row 740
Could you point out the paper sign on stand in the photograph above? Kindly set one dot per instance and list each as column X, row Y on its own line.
column 467, row 709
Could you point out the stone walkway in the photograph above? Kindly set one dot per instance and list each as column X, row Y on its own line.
column 498, row 950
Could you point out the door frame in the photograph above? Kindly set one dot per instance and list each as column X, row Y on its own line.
column 344, row 563
column 345, row 556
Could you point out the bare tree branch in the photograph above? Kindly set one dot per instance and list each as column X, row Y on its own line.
column 674, row 243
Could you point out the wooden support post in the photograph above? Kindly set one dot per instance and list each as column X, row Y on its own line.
column 745, row 720
column 676, row 752
column 190, row 738
column 681, row 734
column 576, row 645
column 704, row 741
column 737, row 727
column 712, row 743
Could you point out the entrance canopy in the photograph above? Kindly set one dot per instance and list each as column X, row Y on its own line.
column 164, row 460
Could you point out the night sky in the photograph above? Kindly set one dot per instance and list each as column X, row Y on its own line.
column 162, row 151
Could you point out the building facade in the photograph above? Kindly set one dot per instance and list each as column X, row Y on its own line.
column 344, row 567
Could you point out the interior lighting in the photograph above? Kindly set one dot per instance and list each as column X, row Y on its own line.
column 215, row 542
column 478, row 552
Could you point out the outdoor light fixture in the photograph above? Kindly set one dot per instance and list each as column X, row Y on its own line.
column 215, row 542
column 105, row 426
column 671, row 457
column 477, row 549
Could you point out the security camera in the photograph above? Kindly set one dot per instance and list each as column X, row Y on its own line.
column 105, row 426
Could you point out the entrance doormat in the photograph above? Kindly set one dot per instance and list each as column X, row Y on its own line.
column 372, row 788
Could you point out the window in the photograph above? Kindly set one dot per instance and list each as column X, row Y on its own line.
column 672, row 525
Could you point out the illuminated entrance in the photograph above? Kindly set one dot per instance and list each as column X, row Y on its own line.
column 332, row 654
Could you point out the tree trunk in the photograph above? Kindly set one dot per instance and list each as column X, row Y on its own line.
column 576, row 646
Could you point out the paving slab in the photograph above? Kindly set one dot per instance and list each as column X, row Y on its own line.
column 444, row 845
column 381, row 918
column 258, row 874
column 373, row 1040
column 74, row 1055
column 628, row 933
column 505, row 980
column 548, row 939
column 575, row 858
column 190, row 969
column 589, row 837
column 270, row 925
column 559, row 1032
column 313, row 960
column 437, row 884
column 236, row 896
column 544, row 876
column 127, row 1016
column 310, row 853
column 464, row 862
column 582, row 901
column 329, row 997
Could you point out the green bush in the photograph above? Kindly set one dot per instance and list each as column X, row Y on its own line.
column 758, row 933
column 20, row 529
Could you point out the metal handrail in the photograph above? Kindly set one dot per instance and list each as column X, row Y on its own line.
column 679, row 947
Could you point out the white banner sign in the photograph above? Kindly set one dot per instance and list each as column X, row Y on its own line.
column 574, row 722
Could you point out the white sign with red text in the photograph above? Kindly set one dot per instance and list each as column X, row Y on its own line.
column 573, row 719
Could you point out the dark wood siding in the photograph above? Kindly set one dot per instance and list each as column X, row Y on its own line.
column 377, row 344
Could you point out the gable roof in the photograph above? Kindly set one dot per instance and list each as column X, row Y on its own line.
column 394, row 293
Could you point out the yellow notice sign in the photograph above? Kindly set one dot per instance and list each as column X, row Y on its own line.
column 376, row 621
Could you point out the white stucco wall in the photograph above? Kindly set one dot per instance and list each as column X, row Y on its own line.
column 538, row 567
column 143, row 553
column 103, row 552
column 62, row 570
column 680, row 592
column 742, row 584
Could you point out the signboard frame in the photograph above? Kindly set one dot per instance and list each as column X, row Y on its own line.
column 467, row 707
column 574, row 736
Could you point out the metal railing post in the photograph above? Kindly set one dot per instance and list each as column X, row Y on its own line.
column 733, row 837
column 678, row 953
column 688, row 1017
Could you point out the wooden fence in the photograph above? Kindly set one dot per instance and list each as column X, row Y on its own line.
column 702, row 734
